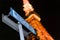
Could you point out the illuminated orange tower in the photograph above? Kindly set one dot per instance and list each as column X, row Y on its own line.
column 34, row 20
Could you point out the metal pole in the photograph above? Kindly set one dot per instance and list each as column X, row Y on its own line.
column 21, row 31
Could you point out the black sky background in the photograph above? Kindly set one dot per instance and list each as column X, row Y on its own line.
column 49, row 12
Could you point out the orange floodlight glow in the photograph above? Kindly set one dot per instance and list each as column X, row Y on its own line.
column 27, row 7
column 34, row 21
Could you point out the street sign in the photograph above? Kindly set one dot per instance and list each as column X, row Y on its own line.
column 21, row 20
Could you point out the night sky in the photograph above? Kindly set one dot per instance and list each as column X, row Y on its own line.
column 48, row 10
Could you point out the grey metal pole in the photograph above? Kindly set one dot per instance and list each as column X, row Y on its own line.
column 21, row 32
